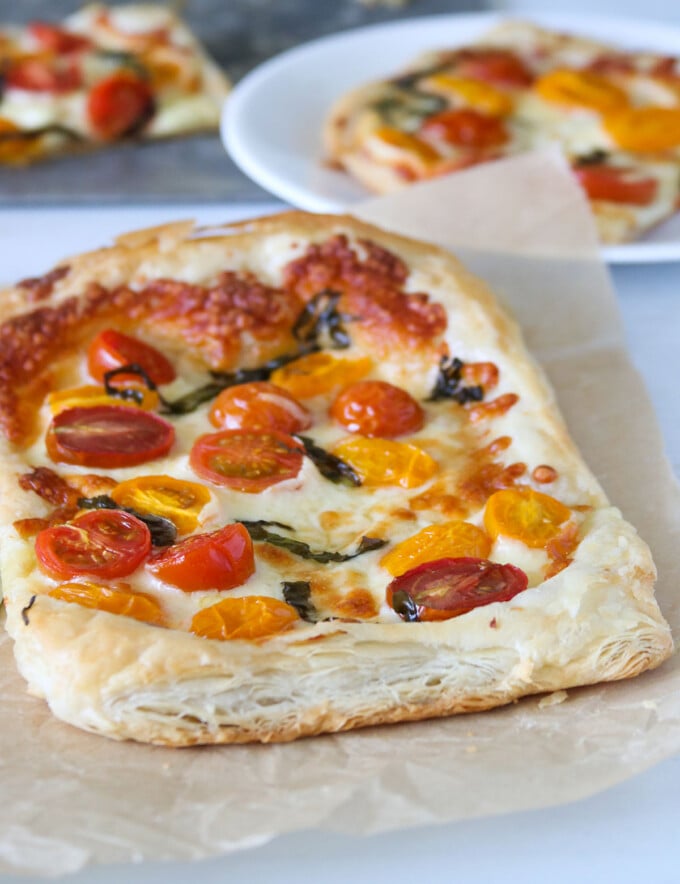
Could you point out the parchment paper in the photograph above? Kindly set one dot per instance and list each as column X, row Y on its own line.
column 69, row 798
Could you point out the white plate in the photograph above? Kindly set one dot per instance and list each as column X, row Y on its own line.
column 272, row 121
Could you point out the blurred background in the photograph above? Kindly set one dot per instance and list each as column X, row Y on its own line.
column 239, row 34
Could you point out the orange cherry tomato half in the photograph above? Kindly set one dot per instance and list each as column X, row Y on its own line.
column 89, row 395
column 120, row 599
column 499, row 67
column 445, row 540
column 220, row 560
column 38, row 74
column 466, row 127
column 526, row 515
column 319, row 373
column 645, row 129
column 108, row 436
column 246, row 618
column 112, row 349
column 119, row 105
column 617, row 185
column 376, row 408
column 246, row 460
column 385, row 462
column 173, row 499
column 450, row 587
column 102, row 543
column 581, row 89
column 55, row 39
column 259, row 406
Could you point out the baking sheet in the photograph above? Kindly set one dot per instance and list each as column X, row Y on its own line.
column 70, row 798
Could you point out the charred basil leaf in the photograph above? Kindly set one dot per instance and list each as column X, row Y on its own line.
column 163, row 531
column 407, row 108
column 331, row 467
column 24, row 611
column 404, row 605
column 127, row 394
column 449, row 384
column 320, row 319
column 298, row 593
column 258, row 532
column 595, row 158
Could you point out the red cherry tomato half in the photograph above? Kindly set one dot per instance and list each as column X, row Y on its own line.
column 220, row 560
column 376, row 408
column 246, row 460
column 259, row 406
column 108, row 436
column 449, row 587
column 102, row 543
column 466, row 128
column 55, row 39
column 111, row 349
column 499, row 67
column 35, row 74
column 119, row 105
column 617, row 185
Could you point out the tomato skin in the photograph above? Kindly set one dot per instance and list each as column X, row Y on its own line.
column 35, row 74
column 499, row 67
column 246, row 460
column 119, row 105
column 616, row 185
column 55, row 39
column 376, row 408
column 102, row 543
column 466, row 127
column 450, row 587
column 112, row 349
column 261, row 406
column 220, row 560
column 108, row 436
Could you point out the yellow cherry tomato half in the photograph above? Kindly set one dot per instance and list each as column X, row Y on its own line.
column 319, row 373
column 386, row 462
column 584, row 89
column 255, row 616
column 526, row 515
column 174, row 499
column 118, row 599
column 645, row 129
column 448, row 540
column 471, row 93
column 90, row 395
column 400, row 145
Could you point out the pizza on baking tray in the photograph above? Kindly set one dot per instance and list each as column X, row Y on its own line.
column 294, row 476
column 615, row 113
column 102, row 75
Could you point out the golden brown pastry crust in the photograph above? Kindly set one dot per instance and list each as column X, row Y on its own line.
column 597, row 620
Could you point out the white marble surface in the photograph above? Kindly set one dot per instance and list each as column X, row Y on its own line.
column 627, row 834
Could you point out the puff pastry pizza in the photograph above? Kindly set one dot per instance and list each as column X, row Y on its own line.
column 294, row 476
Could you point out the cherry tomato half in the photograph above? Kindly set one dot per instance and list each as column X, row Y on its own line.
column 112, row 349
column 319, row 373
column 466, row 128
column 38, row 74
column 581, row 89
column 449, row 587
column 119, row 105
column 56, row 39
column 526, row 515
column 386, row 462
column 246, row 461
column 108, row 436
column 259, row 406
column 173, row 499
column 120, row 599
column 251, row 617
column 645, row 129
column 220, row 560
column 102, row 543
column 376, row 408
column 500, row 67
column 617, row 185
column 452, row 539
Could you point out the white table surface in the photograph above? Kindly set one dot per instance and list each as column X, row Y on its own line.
column 627, row 834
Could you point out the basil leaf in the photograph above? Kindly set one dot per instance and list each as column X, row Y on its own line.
column 163, row 531
column 331, row 467
column 449, row 384
column 298, row 548
column 298, row 593
column 321, row 318
column 407, row 108
column 404, row 605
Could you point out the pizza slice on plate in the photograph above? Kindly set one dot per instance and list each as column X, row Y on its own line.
column 102, row 75
column 294, row 476
column 615, row 113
